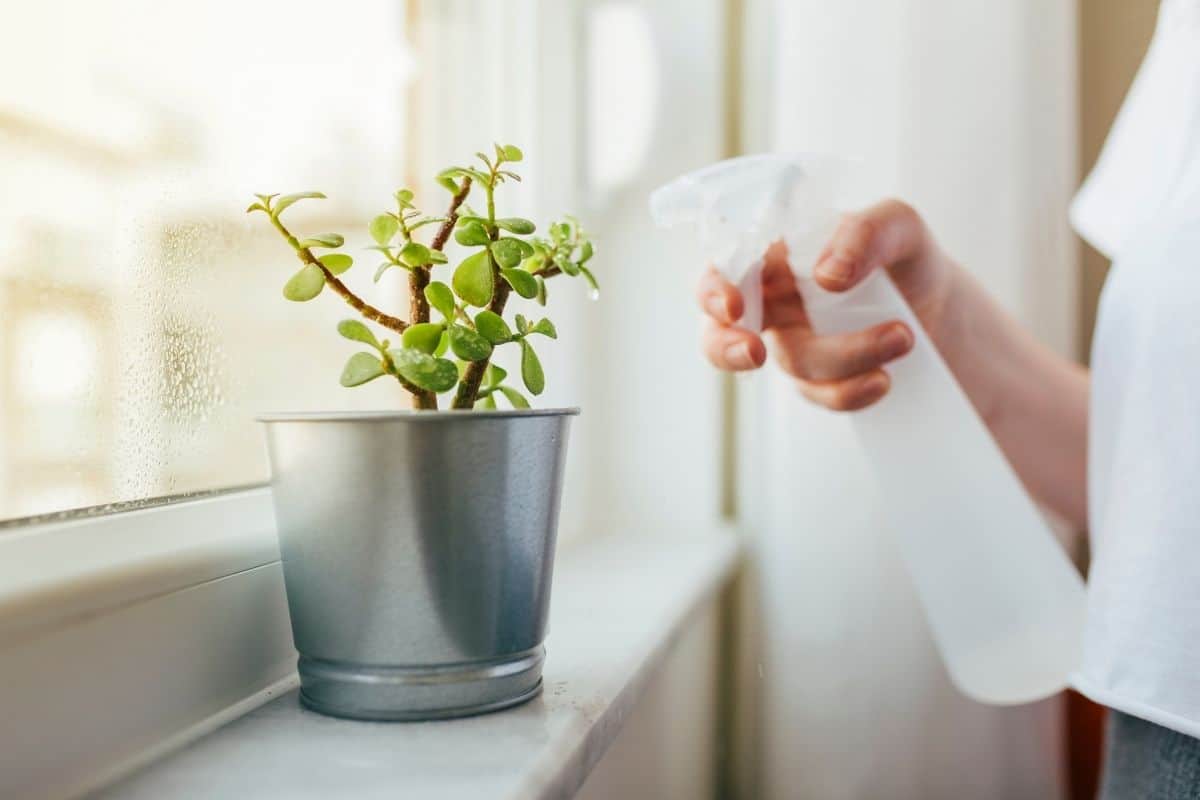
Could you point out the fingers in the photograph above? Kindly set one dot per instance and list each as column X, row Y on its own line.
column 804, row 354
column 719, row 298
column 733, row 349
column 851, row 394
column 885, row 235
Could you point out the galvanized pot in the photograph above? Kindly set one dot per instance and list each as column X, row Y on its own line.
column 417, row 550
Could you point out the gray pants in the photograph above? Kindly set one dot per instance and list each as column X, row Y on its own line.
column 1144, row 761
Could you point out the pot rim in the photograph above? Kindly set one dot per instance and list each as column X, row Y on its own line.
column 413, row 415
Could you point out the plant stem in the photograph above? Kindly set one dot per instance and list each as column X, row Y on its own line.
column 418, row 279
column 365, row 309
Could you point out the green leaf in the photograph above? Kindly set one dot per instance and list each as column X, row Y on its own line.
column 337, row 263
column 361, row 367
column 546, row 328
column 514, row 397
column 423, row 221
column 541, row 294
column 384, row 228
column 467, row 172
column 585, row 253
column 520, row 280
column 424, row 336
column 488, row 402
column 255, row 207
column 404, row 198
column 305, row 284
column 468, row 345
column 512, row 152
column 473, row 280
column 382, row 268
column 440, row 297
column 493, row 327
column 471, row 234
column 443, row 345
column 324, row 240
column 522, row 324
column 448, row 183
column 566, row 265
column 495, row 375
column 531, row 369
column 430, row 373
column 507, row 252
column 289, row 199
column 356, row 331
column 516, row 225
column 416, row 254
column 591, row 279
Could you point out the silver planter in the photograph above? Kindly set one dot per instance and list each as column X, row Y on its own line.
column 417, row 550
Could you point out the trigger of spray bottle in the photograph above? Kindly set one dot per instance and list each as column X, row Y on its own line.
column 1004, row 603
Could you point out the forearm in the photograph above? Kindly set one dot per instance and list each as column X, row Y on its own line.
column 1034, row 402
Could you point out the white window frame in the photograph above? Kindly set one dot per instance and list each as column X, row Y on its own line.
column 123, row 635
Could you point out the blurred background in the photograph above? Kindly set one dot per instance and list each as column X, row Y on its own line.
column 142, row 328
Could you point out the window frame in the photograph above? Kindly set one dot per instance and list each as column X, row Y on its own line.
column 136, row 632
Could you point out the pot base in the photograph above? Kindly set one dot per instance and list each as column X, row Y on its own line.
column 411, row 694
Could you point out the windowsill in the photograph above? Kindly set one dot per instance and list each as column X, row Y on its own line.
column 619, row 604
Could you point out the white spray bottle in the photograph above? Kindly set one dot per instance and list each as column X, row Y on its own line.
column 1004, row 603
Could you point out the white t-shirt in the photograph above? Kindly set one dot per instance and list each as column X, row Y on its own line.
column 1141, row 206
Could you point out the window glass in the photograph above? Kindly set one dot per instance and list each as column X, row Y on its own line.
column 141, row 323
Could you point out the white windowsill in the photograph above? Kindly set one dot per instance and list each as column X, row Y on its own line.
column 618, row 605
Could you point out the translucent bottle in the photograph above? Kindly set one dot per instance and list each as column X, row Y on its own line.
column 1003, row 601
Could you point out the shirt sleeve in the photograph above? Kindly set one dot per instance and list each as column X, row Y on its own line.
column 1153, row 147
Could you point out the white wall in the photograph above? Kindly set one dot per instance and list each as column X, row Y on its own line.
column 966, row 108
column 609, row 98
column 667, row 747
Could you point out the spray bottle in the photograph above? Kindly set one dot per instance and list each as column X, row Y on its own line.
column 1003, row 601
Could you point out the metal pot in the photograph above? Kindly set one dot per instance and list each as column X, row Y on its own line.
column 417, row 551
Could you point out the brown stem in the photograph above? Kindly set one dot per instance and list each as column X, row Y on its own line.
column 443, row 233
column 418, row 279
column 468, row 387
column 367, row 310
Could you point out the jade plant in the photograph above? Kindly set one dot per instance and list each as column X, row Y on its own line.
column 504, row 257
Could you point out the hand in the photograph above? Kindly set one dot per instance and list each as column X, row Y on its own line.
column 842, row 372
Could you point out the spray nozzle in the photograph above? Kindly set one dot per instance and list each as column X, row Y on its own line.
column 741, row 206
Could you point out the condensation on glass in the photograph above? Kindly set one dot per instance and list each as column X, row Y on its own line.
column 141, row 322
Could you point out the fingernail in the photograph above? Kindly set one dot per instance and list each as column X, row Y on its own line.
column 835, row 270
column 738, row 356
column 875, row 385
column 716, row 306
column 894, row 342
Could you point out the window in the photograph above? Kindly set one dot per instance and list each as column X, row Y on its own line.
column 141, row 323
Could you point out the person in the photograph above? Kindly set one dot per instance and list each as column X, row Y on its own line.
column 1115, row 450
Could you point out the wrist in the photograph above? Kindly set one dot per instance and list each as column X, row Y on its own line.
column 973, row 335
